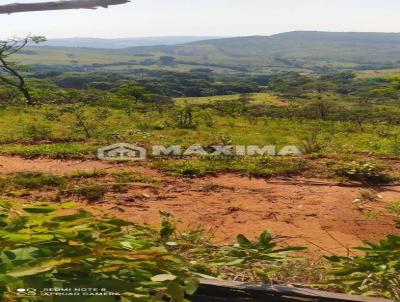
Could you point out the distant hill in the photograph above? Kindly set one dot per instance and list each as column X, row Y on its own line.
column 300, row 49
column 303, row 51
column 123, row 42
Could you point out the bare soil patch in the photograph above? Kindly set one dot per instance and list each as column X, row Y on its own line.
column 317, row 213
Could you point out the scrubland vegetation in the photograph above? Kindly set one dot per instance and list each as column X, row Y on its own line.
column 347, row 128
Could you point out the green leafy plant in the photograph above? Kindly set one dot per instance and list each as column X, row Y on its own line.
column 40, row 248
column 376, row 273
column 255, row 261
column 43, row 247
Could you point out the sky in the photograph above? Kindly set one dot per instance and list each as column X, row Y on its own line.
column 142, row 18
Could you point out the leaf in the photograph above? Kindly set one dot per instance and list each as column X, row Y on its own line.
column 233, row 262
column 191, row 285
column 163, row 277
column 5, row 204
column 39, row 209
column 15, row 237
column 176, row 291
column 243, row 241
column 69, row 205
column 41, row 268
column 119, row 222
column 265, row 238
column 43, row 237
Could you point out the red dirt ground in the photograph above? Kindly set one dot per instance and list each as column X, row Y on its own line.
column 316, row 213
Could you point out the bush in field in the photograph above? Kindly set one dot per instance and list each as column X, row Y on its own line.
column 374, row 274
column 184, row 117
column 313, row 142
column 93, row 192
column 363, row 171
column 36, row 132
column 86, row 119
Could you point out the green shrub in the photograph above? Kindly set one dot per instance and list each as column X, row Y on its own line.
column 37, row 180
column 363, row 171
column 92, row 193
column 375, row 274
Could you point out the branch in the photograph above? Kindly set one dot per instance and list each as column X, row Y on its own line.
column 58, row 5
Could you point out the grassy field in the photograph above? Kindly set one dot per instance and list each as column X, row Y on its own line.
column 256, row 98
column 65, row 56
column 80, row 131
column 378, row 73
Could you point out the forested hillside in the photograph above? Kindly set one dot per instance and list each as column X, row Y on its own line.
column 298, row 51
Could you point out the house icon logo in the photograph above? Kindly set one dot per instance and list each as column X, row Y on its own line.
column 122, row 152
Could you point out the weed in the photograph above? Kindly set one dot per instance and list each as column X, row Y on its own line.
column 119, row 188
column 393, row 208
column 92, row 193
column 313, row 143
column 129, row 176
column 368, row 196
column 87, row 174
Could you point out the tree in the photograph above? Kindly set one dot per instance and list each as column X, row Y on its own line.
column 131, row 90
column 10, row 72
